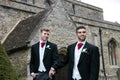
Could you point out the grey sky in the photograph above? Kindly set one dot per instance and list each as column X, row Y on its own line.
column 111, row 8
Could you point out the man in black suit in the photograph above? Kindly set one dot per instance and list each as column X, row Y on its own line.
column 44, row 55
column 82, row 58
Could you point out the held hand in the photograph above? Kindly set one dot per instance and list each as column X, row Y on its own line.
column 51, row 73
column 34, row 74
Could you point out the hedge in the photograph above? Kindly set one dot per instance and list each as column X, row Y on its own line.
column 7, row 71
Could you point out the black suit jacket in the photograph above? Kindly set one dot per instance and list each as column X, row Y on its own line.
column 49, row 59
column 88, row 64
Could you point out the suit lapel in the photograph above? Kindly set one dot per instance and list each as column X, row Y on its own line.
column 37, row 50
column 45, row 52
column 82, row 54
column 73, row 51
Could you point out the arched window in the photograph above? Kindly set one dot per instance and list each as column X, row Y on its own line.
column 112, row 52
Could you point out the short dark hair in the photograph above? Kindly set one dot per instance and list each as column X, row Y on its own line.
column 80, row 27
column 44, row 29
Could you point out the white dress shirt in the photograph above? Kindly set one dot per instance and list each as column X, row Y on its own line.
column 41, row 56
column 77, row 53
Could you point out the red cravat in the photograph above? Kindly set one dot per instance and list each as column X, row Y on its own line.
column 42, row 44
column 80, row 45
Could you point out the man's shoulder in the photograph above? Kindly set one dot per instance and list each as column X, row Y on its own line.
column 91, row 45
column 51, row 43
column 35, row 44
column 73, row 44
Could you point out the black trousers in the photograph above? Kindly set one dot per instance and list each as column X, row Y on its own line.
column 43, row 76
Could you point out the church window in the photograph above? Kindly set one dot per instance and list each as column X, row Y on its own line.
column 73, row 6
column 112, row 52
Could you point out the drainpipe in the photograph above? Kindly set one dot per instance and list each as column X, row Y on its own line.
column 100, row 33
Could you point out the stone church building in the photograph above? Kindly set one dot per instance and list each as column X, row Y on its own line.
column 20, row 21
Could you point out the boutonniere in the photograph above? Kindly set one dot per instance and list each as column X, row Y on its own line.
column 48, row 46
column 85, row 51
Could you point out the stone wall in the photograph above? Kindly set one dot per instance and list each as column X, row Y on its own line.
column 11, row 12
column 9, row 19
column 39, row 3
column 20, row 62
column 84, row 10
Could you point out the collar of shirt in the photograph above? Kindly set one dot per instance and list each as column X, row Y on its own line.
column 82, row 42
column 43, row 41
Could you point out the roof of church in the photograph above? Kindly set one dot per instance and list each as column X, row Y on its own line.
column 18, row 38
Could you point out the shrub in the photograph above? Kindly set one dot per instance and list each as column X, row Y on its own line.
column 7, row 71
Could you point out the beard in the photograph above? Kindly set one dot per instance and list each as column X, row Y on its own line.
column 81, row 38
